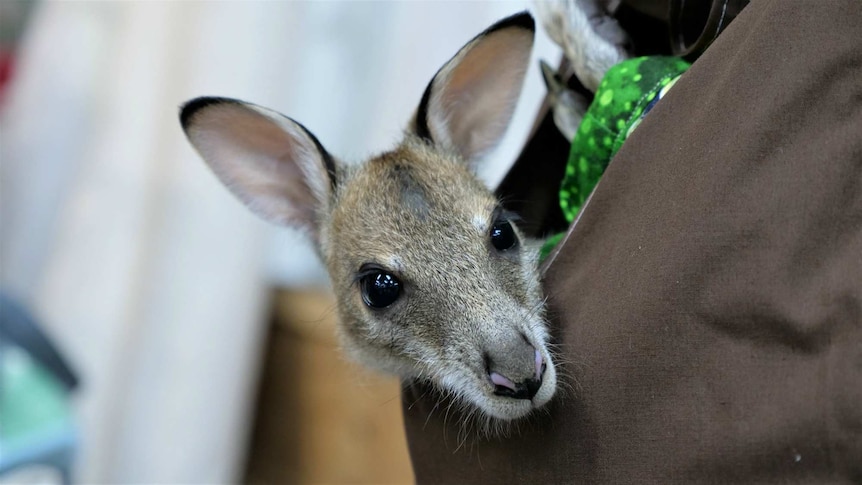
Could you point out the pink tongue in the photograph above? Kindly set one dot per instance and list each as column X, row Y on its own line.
column 539, row 362
column 502, row 381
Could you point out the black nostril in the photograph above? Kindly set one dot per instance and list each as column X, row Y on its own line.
column 523, row 390
column 532, row 386
column 506, row 392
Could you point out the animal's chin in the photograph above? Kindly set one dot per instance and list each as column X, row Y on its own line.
column 480, row 394
column 472, row 387
column 507, row 408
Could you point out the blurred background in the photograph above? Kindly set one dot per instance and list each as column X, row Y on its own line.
column 202, row 337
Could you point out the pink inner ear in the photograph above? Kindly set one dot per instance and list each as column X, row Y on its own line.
column 280, row 157
column 478, row 93
column 266, row 160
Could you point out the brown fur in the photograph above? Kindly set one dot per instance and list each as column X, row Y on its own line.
column 468, row 313
column 463, row 298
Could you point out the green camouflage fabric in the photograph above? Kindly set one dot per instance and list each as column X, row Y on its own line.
column 627, row 93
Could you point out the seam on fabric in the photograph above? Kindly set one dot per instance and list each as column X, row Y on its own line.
column 649, row 94
column 549, row 260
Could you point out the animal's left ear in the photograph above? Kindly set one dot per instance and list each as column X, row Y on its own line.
column 469, row 103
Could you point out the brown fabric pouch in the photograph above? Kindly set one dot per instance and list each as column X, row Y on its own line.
column 708, row 302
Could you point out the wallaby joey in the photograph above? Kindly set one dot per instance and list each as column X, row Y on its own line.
column 433, row 279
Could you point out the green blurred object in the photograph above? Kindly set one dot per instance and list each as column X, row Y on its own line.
column 625, row 96
column 36, row 425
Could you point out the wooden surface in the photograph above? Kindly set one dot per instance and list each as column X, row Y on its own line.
column 320, row 418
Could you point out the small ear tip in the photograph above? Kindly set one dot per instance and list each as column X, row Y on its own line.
column 521, row 20
column 190, row 108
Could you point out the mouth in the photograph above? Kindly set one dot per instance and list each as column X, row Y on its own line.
column 507, row 399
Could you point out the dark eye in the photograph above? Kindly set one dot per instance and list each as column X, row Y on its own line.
column 379, row 289
column 503, row 236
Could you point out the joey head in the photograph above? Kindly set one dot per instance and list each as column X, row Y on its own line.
column 433, row 279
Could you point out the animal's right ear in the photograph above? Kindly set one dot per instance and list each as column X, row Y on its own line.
column 270, row 162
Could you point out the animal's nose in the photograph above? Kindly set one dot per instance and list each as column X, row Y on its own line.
column 526, row 388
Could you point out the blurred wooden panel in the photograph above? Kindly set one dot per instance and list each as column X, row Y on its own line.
column 320, row 418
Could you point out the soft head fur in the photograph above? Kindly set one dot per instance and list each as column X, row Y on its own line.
column 432, row 277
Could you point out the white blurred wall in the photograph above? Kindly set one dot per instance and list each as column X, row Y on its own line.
column 149, row 274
